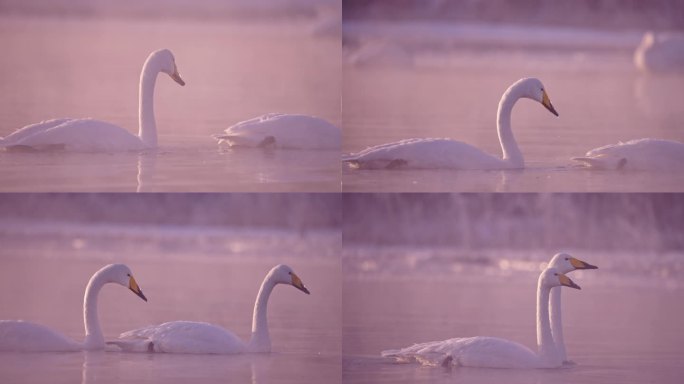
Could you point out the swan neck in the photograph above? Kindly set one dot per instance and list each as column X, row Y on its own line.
column 261, row 340
column 509, row 147
column 147, row 124
column 93, row 333
column 545, row 344
column 556, row 322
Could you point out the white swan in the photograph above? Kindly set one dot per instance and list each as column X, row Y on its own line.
column 24, row 336
column 88, row 135
column 563, row 263
column 493, row 352
column 197, row 337
column 663, row 52
column 639, row 154
column 446, row 153
column 276, row 130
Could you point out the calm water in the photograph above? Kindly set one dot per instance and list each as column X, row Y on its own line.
column 186, row 275
column 233, row 71
column 617, row 328
column 451, row 88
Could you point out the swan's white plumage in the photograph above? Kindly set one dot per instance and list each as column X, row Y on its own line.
column 639, row 154
column 661, row 52
column 285, row 131
column 24, row 336
column 446, row 153
column 89, row 135
column 493, row 352
column 199, row 337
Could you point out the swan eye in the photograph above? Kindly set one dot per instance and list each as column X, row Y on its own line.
column 555, row 274
column 567, row 258
column 128, row 274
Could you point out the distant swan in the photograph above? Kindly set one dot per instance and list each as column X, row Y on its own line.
column 493, row 352
column 446, row 153
column 563, row 263
column 24, row 336
column 196, row 337
column 276, row 130
column 640, row 154
column 663, row 52
column 88, row 135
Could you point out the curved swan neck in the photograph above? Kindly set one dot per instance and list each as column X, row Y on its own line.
column 261, row 340
column 556, row 322
column 93, row 337
column 545, row 345
column 509, row 147
column 147, row 124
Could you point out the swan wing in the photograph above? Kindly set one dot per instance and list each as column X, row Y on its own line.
column 480, row 351
column 181, row 337
column 424, row 154
column 31, row 130
column 76, row 135
column 283, row 131
column 24, row 336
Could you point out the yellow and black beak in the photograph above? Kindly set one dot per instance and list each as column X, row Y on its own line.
column 564, row 280
column 177, row 77
column 546, row 102
column 579, row 264
column 133, row 286
column 297, row 282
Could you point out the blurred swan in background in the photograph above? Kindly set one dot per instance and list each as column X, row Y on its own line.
column 198, row 337
column 447, row 153
column 88, row 135
column 493, row 352
column 286, row 131
column 661, row 52
column 24, row 336
column 640, row 154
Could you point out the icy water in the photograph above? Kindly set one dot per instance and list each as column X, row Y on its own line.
column 623, row 326
column 187, row 274
column 433, row 80
column 234, row 70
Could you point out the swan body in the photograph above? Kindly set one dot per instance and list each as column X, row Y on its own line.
column 662, row 52
column 446, row 153
column 200, row 337
column 494, row 352
column 275, row 130
column 639, row 154
column 89, row 135
column 24, row 336
column 563, row 263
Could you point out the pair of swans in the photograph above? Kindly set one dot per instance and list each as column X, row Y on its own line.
column 89, row 135
column 493, row 352
column 171, row 337
column 643, row 154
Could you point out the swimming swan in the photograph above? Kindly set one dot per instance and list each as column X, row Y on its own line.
column 88, row 135
column 276, row 130
column 660, row 53
column 563, row 263
column 196, row 337
column 638, row 155
column 493, row 352
column 24, row 336
column 446, row 153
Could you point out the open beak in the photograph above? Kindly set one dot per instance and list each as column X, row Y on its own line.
column 579, row 264
column 546, row 102
column 133, row 286
column 177, row 77
column 564, row 280
column 297, row 282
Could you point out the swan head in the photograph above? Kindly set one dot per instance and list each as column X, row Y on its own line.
column 551, row 277
column 122, row 275
column 565, row 263
column 532, row 88
column 166, row 63
column 282, row 274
